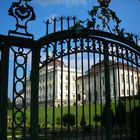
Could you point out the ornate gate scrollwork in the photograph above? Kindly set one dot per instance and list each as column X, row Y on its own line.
column 70, row 83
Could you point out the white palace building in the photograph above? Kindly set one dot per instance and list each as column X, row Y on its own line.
column 123, row 82
column 55, row 86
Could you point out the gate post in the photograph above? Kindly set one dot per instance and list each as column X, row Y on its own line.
column 107, row 92
column 4, row 92
column 34, row 93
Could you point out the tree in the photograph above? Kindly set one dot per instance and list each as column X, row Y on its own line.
column 83, row 122
column 135, row 121
column 68, row 119
column 97, row 118
column 104, row 115
column 120, row 114
column 9, row 103
column 58, row 121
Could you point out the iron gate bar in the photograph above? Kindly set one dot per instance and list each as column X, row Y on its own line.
column 124, row 83
column 95, row 92
column 4, row 91
column 118, row 76
column 127, row 80
column 89, row 84
column 107, row 92
column 68, row 47
column 46, row 95
column 54, row 83
column 114, row 85
column 101, row 106
column 76, row 84
column 34, row 93
column 138, row 88
column 61, row 42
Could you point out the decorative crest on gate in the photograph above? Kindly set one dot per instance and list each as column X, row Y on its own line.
column 23, row 13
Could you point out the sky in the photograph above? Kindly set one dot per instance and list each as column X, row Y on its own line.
column 127, row 10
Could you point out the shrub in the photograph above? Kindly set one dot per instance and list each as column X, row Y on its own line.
column 104, row 119
column 58, row 121
column 74, row 104
column 120, row 114
column 97, row 118
column 83, row 122
column 135, row 121
column 68, row 119
column 88, row 128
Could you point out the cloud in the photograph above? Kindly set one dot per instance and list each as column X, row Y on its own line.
column 65, row 2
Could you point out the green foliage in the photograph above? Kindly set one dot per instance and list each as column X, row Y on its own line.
column 58, row 121
column 68, row 119
column 104, row 117
column 120, row 114
column 83, row 122
column 74, row 104
column 9, row 103
column 19, row 118
column 72, row 110
column 135, row 121
column 88, row 128
column 97, row 118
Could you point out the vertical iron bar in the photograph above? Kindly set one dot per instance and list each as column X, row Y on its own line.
column 118, row 82
column 62, row 86
column 124, row 84
column 47, row 27
column 138, row 78
column 76, row 84
column 82, row 49
column 68, row 22
column 4, row 92
column 61, row 83
column 128, row 72
column 13, row 96
column 24, row 102
column 76, row 88
column 69, row 88
column 100, row 90
column 54, row 81
column 95, row 92
column 114, row 82
column 34, row 93
column 89, row 90
column 107, row 92
column 46, row 94
column 54, row 27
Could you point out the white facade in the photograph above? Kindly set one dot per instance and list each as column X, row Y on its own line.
column 123, row 82
column 55, row 83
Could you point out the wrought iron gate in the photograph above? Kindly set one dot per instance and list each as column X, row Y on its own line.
column 80, row 81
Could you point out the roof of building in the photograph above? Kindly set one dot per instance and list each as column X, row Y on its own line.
column 99, row 67
column 51, row 63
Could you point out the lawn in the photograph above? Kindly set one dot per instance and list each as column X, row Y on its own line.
column 129, row 106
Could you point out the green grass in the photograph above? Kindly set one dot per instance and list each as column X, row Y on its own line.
column 129, row 107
